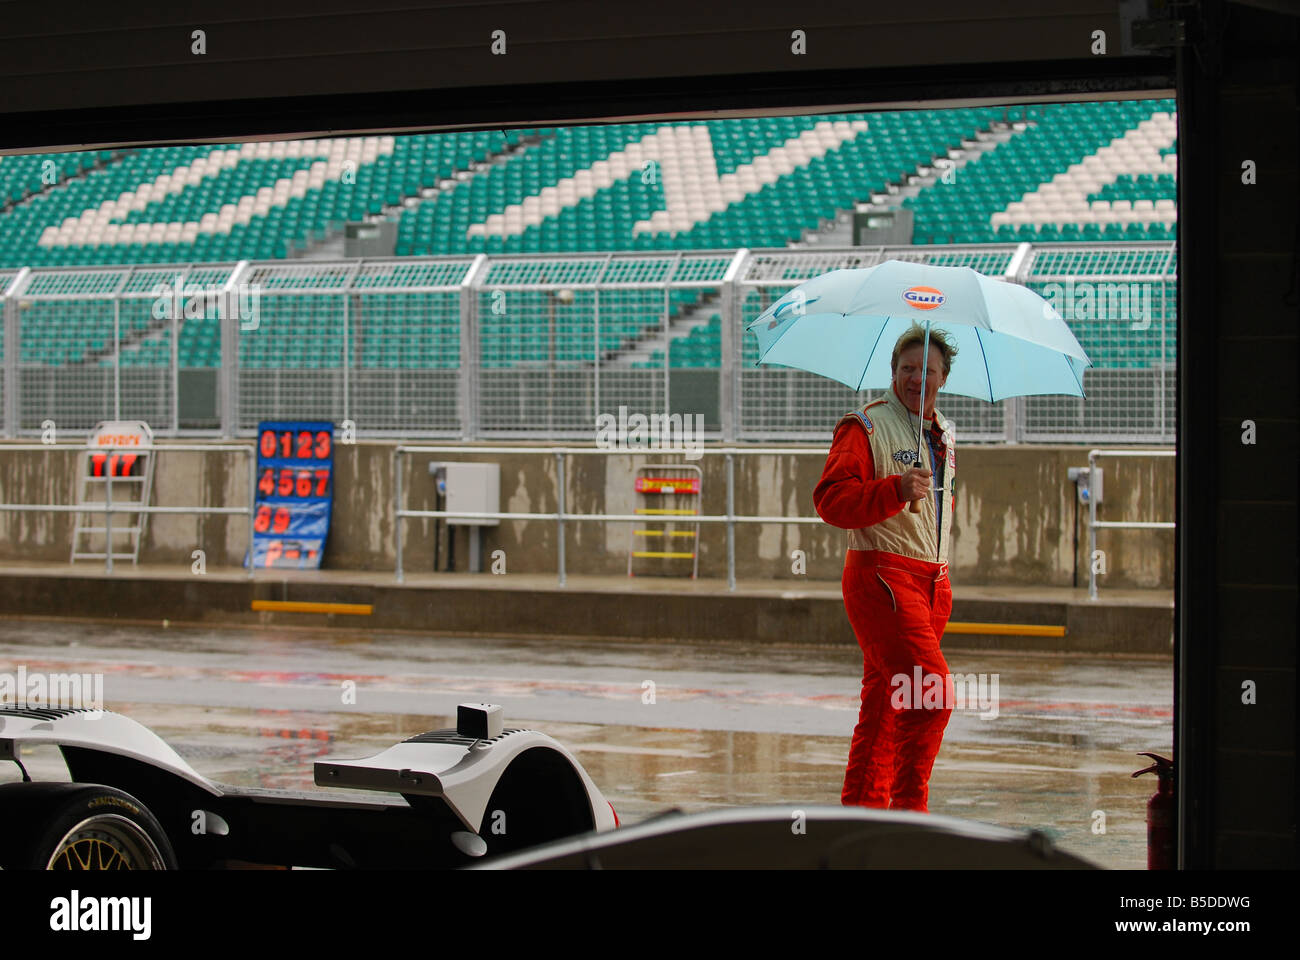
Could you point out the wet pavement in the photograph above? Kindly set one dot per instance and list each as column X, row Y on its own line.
column 655, row 725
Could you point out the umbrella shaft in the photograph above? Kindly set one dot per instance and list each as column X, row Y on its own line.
column 920, row 409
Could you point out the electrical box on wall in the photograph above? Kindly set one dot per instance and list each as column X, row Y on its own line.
column 471, row 487
column 1088, row 485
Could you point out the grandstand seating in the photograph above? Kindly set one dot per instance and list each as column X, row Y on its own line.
column 23, row 176
column 1077, row 172
column 1062, row 180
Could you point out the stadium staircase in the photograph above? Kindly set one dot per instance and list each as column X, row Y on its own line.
column 695, row 340
column 332, row 244
column 22, row 178
column 838, row 231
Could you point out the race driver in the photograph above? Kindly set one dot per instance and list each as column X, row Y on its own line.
column 895, row 580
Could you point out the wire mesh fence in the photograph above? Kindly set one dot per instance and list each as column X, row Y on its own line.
column 538, row 346
column 1120, row 301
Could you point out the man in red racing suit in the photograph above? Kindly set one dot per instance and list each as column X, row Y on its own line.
column 895, row 579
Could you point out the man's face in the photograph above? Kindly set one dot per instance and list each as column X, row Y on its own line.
column 907, row 377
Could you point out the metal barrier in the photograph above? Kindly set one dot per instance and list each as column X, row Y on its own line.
column 1094, row 524
column 561, row 517
column 533, row 346
column 1120, row 302
column 107, row 507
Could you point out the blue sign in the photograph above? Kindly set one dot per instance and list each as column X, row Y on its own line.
column 295, row 493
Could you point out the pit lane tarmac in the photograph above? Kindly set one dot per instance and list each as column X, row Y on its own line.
column 656, row 726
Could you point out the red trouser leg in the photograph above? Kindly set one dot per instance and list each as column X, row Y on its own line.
column 870, row 771
column 898, row 618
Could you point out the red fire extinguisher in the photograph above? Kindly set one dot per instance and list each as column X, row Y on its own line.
column 1160, row 815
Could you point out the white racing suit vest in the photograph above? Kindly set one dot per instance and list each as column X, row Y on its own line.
column 891, row 430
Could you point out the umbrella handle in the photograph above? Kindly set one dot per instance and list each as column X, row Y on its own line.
column 914, row 506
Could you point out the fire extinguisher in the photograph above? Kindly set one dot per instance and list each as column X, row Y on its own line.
column 1160, row 815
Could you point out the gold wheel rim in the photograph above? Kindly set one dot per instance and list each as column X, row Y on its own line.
column 106, row 842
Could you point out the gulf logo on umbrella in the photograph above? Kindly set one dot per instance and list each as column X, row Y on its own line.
column 923, row 298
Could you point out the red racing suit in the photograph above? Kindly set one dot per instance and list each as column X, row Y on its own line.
column 898, row 606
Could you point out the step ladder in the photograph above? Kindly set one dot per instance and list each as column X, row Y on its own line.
column 123, row 451
column 665, row 492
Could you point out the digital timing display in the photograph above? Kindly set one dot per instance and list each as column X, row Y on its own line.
column 295, row 493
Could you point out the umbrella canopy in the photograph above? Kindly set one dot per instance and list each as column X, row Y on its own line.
column 843, row 325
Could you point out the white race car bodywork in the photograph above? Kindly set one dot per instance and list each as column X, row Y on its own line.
column 100, row 730
column 442, row 786
column 463, row 776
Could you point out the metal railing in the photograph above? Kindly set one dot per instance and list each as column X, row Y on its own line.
column 1094, row 524
column 107, row 507
column 561, row 516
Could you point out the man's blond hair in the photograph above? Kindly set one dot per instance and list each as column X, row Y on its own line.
column 915, row 337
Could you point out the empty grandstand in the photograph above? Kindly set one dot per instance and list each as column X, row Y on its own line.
column 1087, row 171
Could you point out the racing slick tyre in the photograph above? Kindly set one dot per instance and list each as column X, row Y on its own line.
column 79, row 826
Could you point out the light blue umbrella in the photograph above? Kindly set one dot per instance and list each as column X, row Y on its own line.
column 844, row 324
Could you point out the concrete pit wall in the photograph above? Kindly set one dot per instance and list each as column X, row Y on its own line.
column 1013, row 524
